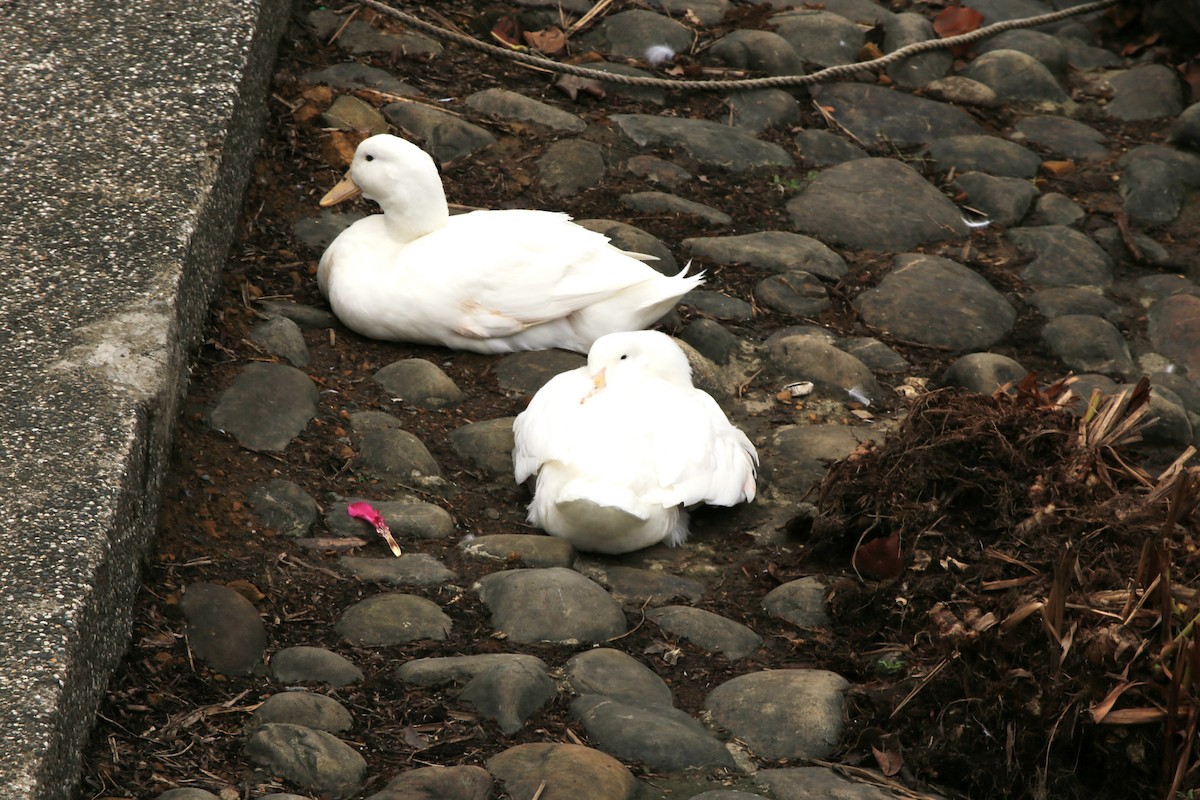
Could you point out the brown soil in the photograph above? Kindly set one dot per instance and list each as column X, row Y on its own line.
column 939, row 698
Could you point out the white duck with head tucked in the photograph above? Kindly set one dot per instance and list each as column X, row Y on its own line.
column 624, row 445
column 488, row 281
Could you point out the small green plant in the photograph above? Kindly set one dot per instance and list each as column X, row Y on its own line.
column 890, row 665
column 785, row 185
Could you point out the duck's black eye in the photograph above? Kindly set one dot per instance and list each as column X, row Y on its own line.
column 368, row 158
column 624, row 357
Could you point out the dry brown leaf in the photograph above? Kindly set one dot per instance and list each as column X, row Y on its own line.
column 507, row 31
column 890, row 762
column 955, row 21
column 572, row 85
column 1059, row 168
column 246, row 589
column 338, row 150
column 550, row 41
column 879, row 558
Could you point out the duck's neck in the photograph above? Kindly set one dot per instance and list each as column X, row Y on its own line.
column 413, row 220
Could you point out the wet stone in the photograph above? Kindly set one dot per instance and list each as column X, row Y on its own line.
column 459, row 669
column 509, row 693
column 778, row 251
column 798, row 294
column 303, row 708
column 785, row 713
column 353, row 75
column 562, row 771
column 348, row 113
column 406, row 518
column 800, row 602
column 877, row 204
column 989, row 154
column 875, row 115
column 1147, row 92
column 635, row 240
column 710, row 339
column 304, row 663
column 759, row 51
column 267, row 406
column 612, row 673
column 506, row 105
column 360, row 37
column 821, row 37
column 396, row 453
column 410, row 569
column 1047, row 49
column 282, row 337
column 969, row 314
column 804, row 452
column 707, row 630
column 1088, row 344
column 663, row 203
column 1005, row 201
column 629, row 33
column 313, row 759
column 983, row 372
column 710, row 143
column 571, row 165
column 419, row 382
column 317, row 232
column 661, row 737
column 763, row 109
column 1052, row 303
column 824, row 149
column 1062, row 256
column 528, row 549
column 550, row 605
column 447, row 137
column 285, row 507
column 660, row 171
column 801, row 357
column 392, row 618
column 1057, row 209
column 438, row 783
column 487, row 445
column 634, row 587
column 805, row 783
column 920, row 69
column 1174, row 330
column 1066, row 138
column 1019, row 79
column 528, row 371
column 224, row 629
column 718, row 306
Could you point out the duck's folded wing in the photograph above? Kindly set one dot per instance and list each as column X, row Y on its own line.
column 700, row 457
column 513, row 270
column 550, row 427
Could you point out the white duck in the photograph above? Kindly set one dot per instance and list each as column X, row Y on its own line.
column 488, row 281
column 621, row 447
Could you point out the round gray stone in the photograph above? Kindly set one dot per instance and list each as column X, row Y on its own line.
column 313, row 759
column 405, row 518
column 224, row 629
column 800, row 602
column 282, row 337
column 1062, row 256
column 506, row 105
column 778, row 251
column 410, row 569
column 419, row 382
column 447, row 137
column 1005, row 201
column 1088, row 344
column 396, row 453
column 284, row 506
column 983, row 373
column 1151, row 91
column 821, row 37
column 528, row 371
column 267, row 406
column 836, row 372
column 304, row 663
column 459, row 669
column 509, row 693
column 303, row 708
column 550, row 605
column 785, row 713
column 707, row 630
column 613, row 673
column 487, row 445
column 529, row 549
column 392, row 618
column 1018, row 78
column 465, row 782
column 571, row 165
column 661, row 737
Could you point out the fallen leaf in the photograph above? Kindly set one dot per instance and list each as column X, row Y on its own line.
column 889, row 761
column 1059, row 168
column 338, row 150
column 955, row 21
column 507, row 32
column 246, row 589
column 550, row 41
column 572, row 85
column 879, row 558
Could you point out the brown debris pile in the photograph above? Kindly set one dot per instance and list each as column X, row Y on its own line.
column 1016, row 597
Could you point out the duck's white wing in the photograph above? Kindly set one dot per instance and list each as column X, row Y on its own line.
column 510, row 270
column 551, row 427
column 669, row 445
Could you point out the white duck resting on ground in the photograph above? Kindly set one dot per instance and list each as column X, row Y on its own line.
column 621, row 447
column 488, row 281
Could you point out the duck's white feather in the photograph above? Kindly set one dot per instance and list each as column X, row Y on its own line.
column 644, row 445
column 489, row 281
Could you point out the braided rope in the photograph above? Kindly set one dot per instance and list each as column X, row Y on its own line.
column 743, row 84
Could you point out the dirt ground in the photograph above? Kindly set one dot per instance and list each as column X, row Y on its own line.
column 1038, row 578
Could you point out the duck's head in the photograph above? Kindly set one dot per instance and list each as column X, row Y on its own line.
column 618, row 357
column 386, row 168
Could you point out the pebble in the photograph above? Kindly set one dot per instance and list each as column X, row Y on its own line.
column 266, row 407
column 303, row 708
column 569, row 771
column 487, row 445
column 530, row 550
column 660, row 737
column 284, row 506
column 392, row 618
column 553, row 604
column 312, row 759
column 315, row 664
column 443, row 783
column 783, row 713
column 224, row 628
column 706, row 630
column 419, row 382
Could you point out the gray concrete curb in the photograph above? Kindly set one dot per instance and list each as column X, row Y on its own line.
column 127, row 136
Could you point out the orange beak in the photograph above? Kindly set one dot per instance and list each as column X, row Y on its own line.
column 345, row 189
column 598, row 382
